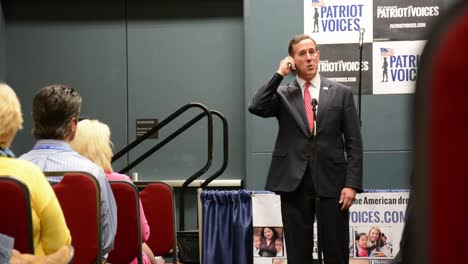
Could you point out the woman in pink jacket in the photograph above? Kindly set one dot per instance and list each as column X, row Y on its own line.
column 92, row 140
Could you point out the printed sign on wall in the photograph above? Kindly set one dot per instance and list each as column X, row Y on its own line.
column 396, row 65
column 268, row 236
column 340, row 63
column 394, row 36
column 404, row 19
column 337, row 21
column 376, row 221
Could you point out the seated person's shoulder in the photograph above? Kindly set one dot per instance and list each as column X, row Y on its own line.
column 114, row 176
column 87, row 166
column 26, row 167
column 28, row 173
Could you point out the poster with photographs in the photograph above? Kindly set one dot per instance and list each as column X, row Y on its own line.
column 392, row 33
column 268, row 237
column 376, row 225
column 376, row 222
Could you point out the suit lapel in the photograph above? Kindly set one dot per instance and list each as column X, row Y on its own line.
column 326, row 93
column 294, row 96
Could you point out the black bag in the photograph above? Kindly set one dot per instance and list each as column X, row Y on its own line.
column 188, row 247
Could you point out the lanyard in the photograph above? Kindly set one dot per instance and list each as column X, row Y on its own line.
column 50, row 147
column 5, row 152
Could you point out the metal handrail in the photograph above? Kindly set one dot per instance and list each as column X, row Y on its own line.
column 225, row 150
column 160, row 125
column 156, row 128
column 168, row 139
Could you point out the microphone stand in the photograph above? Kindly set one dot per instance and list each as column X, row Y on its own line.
column 316, row 183
column 361, row 39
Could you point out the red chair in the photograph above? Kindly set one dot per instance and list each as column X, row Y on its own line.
column 127, row 243
column 16, row 219
column 158, row 201
column 440, row 142
column 80, row 198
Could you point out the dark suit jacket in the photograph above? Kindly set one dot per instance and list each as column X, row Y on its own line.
column 338, row 139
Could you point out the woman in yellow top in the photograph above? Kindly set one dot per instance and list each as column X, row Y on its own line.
column 50, row 232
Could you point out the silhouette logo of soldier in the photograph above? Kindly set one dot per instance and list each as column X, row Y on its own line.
column 385, row 70
column 386, row 53
column 316, row 20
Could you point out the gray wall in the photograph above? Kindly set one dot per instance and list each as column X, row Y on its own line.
column 66, row 44
column 2, row 46
column 136, row 59
column 179, row 58
column 180, row 54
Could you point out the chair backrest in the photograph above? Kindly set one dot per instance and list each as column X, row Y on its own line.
column 79, row 196
column 127, row 243
column 158, row 201
column 16, row 219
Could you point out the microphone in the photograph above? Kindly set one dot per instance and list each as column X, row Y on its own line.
column 314, row 108
column 314, row 104
column 361, row 35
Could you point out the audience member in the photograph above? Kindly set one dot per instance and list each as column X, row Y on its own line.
column 92, row 140
column 50, row 232
column 55, row 112
column 9, row 255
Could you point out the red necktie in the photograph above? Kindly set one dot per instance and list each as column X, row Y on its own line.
column 308, row 106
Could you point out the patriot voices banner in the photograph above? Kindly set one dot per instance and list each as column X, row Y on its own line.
column 393, row 36
column 376, row 222
column 338, row 21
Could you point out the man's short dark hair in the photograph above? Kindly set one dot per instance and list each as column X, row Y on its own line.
column 298, row 38
column 53, row 108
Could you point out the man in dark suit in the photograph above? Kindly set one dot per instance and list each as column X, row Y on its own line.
column 314, row 157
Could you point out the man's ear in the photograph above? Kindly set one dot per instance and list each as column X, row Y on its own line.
column 73, row 126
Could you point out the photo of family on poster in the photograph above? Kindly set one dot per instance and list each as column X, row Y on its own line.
column 372, row 242
column 269, row 243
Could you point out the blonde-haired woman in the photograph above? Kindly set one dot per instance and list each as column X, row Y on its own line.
column 50, row 231
column 92, row 140
column 376, row 246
